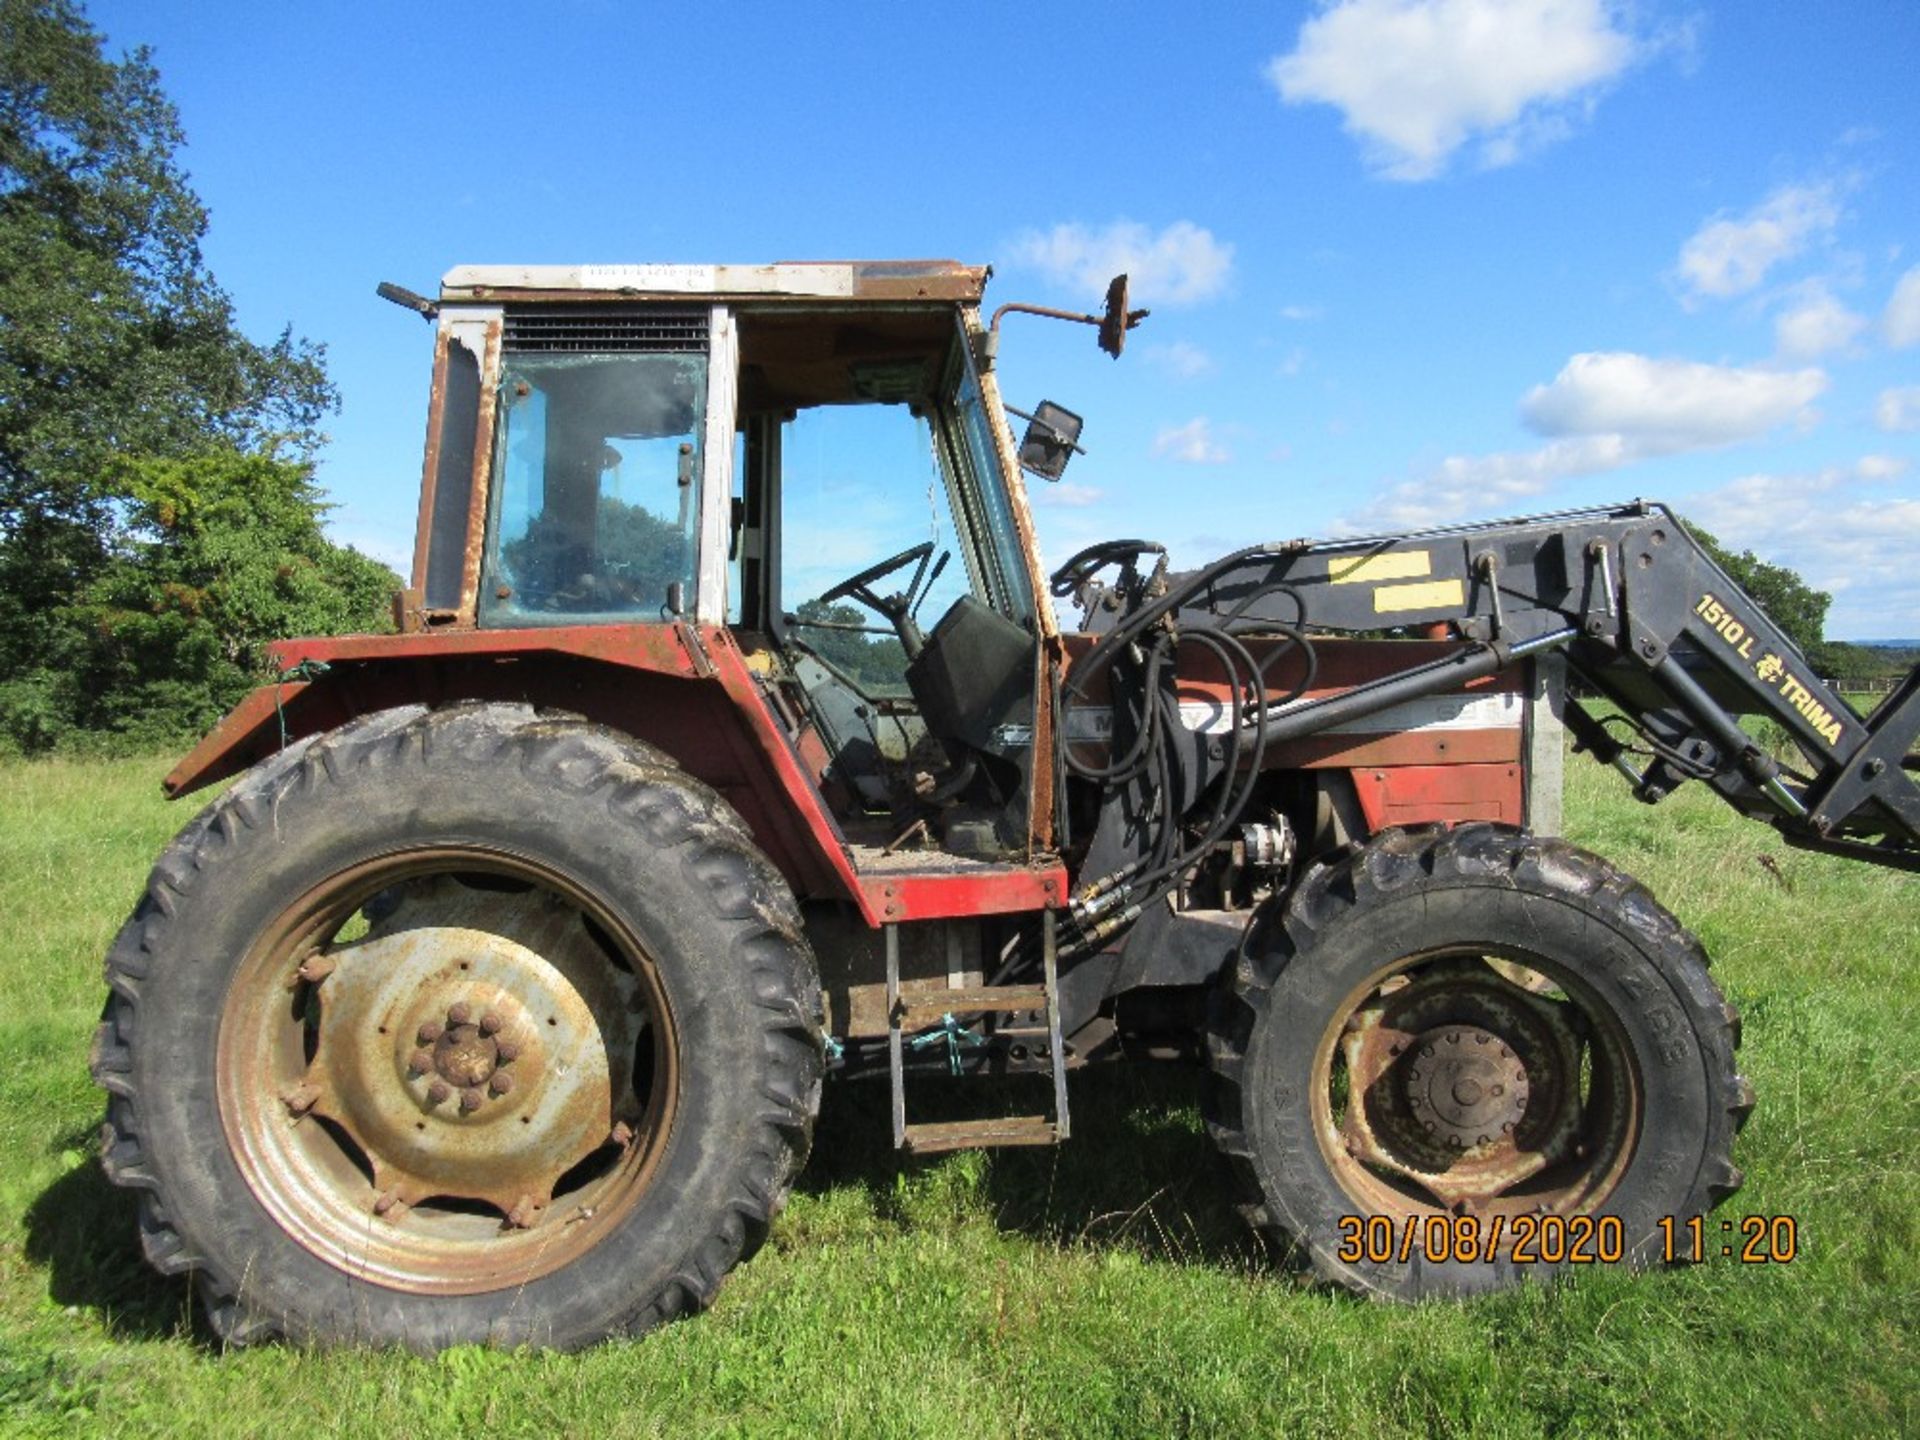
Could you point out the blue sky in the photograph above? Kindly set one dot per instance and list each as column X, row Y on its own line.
column 1409, row 260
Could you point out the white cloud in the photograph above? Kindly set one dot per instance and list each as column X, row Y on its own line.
column 1301, row 313
column 1482, row 485
column 1730, row 256
column 1899, row 409
column 1192, row 443
column 1065, row 492
column 1816, row 325
column 1883, row 467
column 1659, row 407
column 1181, row 359
column 1839, row 528
column 1418, row 79
column 1182, row 264
column 1902, row 320
column 1602, row 412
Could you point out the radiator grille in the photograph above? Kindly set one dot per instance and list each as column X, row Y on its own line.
column 574, row 330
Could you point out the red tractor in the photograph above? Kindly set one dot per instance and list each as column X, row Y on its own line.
column 731, row 739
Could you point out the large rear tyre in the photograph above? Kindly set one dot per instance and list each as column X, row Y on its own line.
column 472, row 1025
column 1460, row 1057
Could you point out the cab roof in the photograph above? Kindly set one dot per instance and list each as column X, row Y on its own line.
column 891, row 281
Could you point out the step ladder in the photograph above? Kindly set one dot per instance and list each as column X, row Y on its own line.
column 905, row 1017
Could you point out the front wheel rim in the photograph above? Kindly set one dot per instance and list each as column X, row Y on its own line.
column 1476, row 1081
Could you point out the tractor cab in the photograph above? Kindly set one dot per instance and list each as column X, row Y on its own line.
column 809, row 457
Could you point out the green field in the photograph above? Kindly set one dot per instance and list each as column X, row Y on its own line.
column 1102, row 1289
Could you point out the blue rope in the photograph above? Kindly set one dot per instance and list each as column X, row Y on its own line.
column 953, row 1035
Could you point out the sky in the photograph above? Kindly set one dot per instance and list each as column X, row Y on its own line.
column 1409, row 261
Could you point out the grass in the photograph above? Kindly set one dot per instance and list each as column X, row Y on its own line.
column 1102, row 1289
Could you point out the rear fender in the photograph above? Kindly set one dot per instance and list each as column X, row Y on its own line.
column 686, row 691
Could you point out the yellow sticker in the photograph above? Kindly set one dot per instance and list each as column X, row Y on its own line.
column 1370, row 569
column 1434, row 595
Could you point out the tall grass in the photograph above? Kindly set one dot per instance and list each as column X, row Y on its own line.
column 1106, row 1288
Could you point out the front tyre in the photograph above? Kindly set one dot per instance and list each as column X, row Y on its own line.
column 1453, row 1044
column 472, row 1025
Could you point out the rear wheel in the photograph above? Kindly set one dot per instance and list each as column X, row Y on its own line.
column 1463, row 1055
column 454, row 1026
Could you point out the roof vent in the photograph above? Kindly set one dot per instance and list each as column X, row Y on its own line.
column 579, row 330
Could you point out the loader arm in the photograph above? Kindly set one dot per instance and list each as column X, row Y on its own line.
column 1644, row 618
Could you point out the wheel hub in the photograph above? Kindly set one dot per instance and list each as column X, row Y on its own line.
column 464, row 1056
column 472, row 1046
column 1460, row 1089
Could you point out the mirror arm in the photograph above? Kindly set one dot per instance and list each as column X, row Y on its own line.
column 990, row 349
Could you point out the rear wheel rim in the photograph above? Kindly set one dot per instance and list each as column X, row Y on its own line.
column 448, row 1070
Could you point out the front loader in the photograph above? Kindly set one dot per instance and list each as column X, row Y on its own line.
column 730, row 739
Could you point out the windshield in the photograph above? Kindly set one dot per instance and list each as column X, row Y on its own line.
column 898, row 466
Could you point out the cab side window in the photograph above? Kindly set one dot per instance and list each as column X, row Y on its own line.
column 595, row 511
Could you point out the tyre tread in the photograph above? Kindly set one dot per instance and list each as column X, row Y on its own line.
column 638, row 783
column 1350, row 881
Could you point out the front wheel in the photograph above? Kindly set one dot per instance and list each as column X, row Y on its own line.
column 455, row 1026
column 1461, row 1056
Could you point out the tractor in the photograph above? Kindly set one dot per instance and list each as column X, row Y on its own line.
column 733, row 736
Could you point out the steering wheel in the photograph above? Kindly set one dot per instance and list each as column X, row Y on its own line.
column 853, row 586
column 1076, row 572
column 897, row 609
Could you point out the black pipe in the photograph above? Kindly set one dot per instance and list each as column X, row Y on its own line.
column 1438, row 677
column 1759, row 768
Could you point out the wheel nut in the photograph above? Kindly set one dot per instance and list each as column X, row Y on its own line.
column 438, row 1092
column 506, row 1052
column 501, row 1082
column 419, row 1064
column 430, row 1032
column 301, row 1099
column 490, row 1023
column 470, row 1101
column 459, row 1013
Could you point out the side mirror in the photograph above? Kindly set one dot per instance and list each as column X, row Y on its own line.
column 1051, row 440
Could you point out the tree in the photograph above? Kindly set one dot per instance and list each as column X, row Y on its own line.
column 879, row 662
column 217, row 555
column 1795, row 606
column 114, row 339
